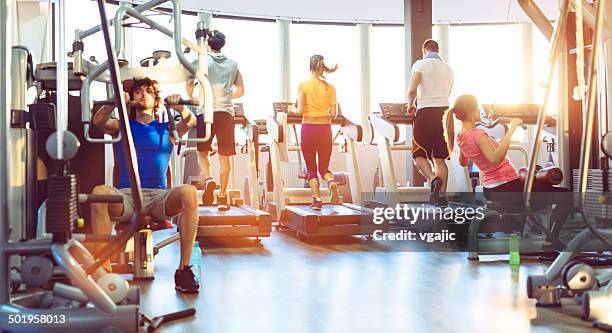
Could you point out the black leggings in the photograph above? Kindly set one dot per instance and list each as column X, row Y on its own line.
column 542, row 196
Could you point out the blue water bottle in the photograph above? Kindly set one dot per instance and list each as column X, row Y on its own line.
column 196, row 262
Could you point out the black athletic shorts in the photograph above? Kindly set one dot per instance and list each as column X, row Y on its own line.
column 223, row 129
column 428, row 134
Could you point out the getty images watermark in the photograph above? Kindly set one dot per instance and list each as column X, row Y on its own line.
column 411, row 214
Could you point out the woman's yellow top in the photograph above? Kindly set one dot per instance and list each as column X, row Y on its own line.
column 319, row 96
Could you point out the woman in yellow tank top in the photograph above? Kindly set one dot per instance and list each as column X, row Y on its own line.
column 317, row 104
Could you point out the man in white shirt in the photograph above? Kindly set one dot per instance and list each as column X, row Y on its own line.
column 430, row 87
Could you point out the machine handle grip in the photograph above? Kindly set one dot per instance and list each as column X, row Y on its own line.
column 184, row 102
column 105, row 198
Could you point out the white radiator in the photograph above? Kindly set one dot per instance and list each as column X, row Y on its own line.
column 290, row 172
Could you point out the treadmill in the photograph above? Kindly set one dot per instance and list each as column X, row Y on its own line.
column 291, row 206
column 241, row 220
column 385, row 128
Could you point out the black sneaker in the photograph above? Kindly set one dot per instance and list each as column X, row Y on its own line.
column 442, row 202
column 185, row 281
column 208, row 197
column 436, row 185
column 222, row 204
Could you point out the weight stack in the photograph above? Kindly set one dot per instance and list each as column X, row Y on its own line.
column 61, row 206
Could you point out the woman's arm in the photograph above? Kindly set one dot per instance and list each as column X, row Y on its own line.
column 333, row 109
column 301, row 100
column 463, row 160
column 496, row 156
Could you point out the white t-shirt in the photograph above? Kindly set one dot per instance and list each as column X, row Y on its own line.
column 436, row 82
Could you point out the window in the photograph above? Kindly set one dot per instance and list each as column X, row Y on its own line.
column 142, row 47
column 487, row 62
column 94, row 44
column 387, row 63
column 254, row 45
column 541, row 52
column 338, row 45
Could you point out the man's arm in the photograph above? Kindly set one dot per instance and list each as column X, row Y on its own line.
column 188, row 120
column 102, row 120
column 238, row 86
column 415, row 80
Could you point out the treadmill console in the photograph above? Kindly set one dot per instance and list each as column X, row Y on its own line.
column 261, row 125
column 396, row 113
column 293, row 118
column 526, row 112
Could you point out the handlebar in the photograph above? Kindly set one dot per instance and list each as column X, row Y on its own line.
column 184, row 102
column 500, row 120
column 174, row 132
column 102, row 198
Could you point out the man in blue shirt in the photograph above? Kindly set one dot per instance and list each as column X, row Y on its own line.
column 153, row 145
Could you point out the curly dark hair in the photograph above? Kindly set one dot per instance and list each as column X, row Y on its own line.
column 131, row 85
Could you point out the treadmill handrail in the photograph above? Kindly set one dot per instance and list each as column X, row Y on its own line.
column 384, row 127
column 275, row 130
column 353, row 130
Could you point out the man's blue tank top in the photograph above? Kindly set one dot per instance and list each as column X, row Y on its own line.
column 153, row 149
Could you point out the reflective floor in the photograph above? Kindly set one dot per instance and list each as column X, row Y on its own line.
column 351, row 285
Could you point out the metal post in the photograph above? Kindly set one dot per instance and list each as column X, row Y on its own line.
column 552, row 61
column 418, row 28
column 364, row 52
column 284, row 33
column 5, row 92
column 62, row 76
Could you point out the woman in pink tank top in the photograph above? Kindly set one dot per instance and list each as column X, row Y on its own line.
column 500, row 179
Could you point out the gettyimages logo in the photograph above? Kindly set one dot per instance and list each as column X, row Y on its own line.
column 405, row 214
column 412, row 214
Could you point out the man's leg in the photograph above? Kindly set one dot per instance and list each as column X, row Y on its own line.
column 101, row 223
column 206, row 181
column 226, row 147
column 204, row 163
column 224, row 173
column 424, row 167
column 441, row 170
column 204, row 149
column 183, row 200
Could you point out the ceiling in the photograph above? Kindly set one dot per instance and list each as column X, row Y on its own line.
column 383, row 11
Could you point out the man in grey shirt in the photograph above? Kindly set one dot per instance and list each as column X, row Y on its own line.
column 226, row 82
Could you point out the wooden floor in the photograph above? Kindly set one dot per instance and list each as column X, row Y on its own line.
column 351, row 285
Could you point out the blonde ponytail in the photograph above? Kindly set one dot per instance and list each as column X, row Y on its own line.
column 318, row 67
column 463, row 107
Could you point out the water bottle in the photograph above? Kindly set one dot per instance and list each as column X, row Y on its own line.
column 196, row 261
column 514, row 250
